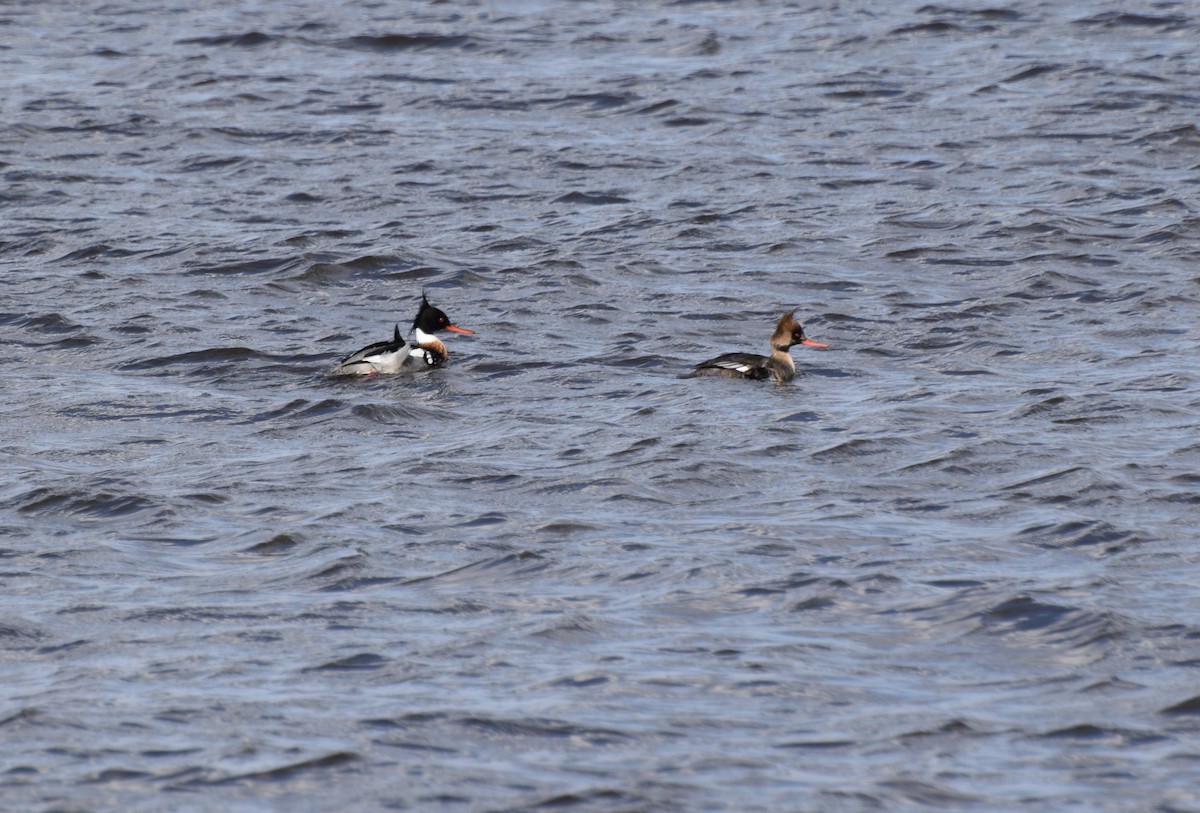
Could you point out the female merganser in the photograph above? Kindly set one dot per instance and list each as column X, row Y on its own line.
column 778, row 366
column 397, row 355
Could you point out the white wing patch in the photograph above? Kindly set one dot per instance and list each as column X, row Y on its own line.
column 739, row 366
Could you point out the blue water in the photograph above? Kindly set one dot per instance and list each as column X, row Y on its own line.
column 953, row 565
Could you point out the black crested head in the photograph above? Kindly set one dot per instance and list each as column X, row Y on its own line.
column 429, row 318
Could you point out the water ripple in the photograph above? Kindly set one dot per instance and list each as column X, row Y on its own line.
column 949, row 566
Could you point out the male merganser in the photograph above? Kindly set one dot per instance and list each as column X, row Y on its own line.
column 778, row 366
column 397, row 355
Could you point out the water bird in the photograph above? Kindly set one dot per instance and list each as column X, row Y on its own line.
column 397, row 355
column 778, row 366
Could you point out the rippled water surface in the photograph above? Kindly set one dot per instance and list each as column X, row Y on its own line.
column 953, row 565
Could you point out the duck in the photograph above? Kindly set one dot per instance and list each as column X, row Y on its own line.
column 778, row 366
column 398, row 356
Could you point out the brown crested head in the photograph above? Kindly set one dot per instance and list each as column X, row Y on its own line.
column 788, row 332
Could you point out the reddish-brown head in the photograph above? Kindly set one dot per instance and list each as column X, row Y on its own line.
column 789, row 332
